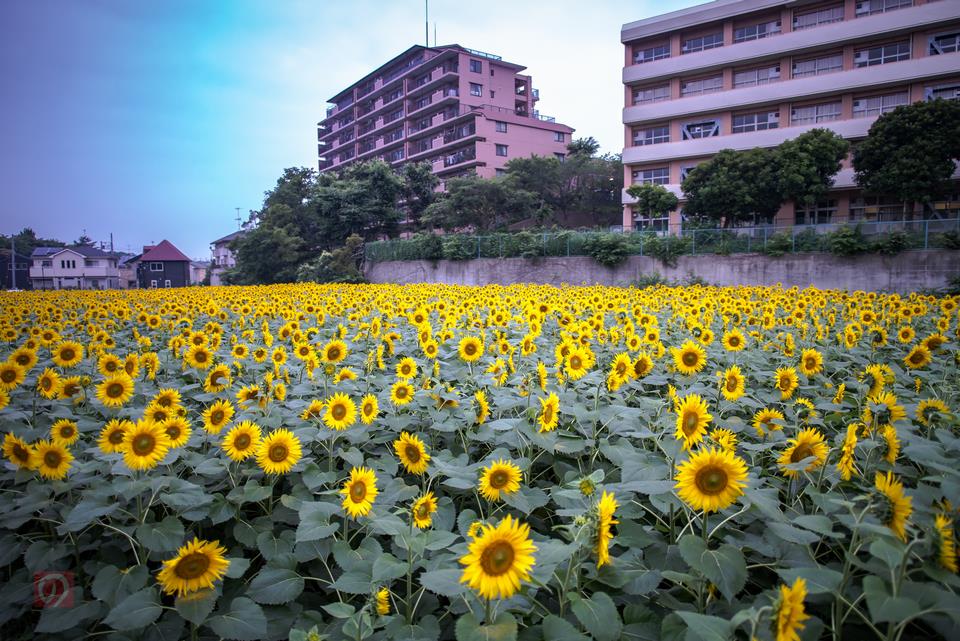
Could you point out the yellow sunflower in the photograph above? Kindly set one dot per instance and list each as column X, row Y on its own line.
column 711, row 479
column 64, row 432
column 369, row 409
column 578, row 362
column 312, row 411
column 48, row 383
column 334, row 351
column 383, row 602
column 18, row 452
column 931, row 410
column 947, row 556
column 846, row 465
column 111, row 436
column 732, row 383
column 401, row 393
column 811, row 362
column 109, row 364
column 26, row 357
column 499, row 559
column 217, row 416
column 166, row 397
column 68, row 353
column 470, row 349
column 51, row 460
column 790, row 611
column 70, row 387
column 197, row 566
column 483, row 407
column 199, row 357
column 734, row 340
column 406, row 368
column 412, row 453
column 606, row 507
column 241, row 441
column 642, row 366
column 341, row 412
column 897, row 505
column 918, row 357
column 549, row 412
column 278, row 452
column 891, row 442
column 248, row 394
column 501, row 477
column 178, row 430
column 359, row 492
column 11, row 375
column 116, row 390
column 144, row 445
column 423, row 509
column 218, row 379
column 689, row 358
column 809, row 443
column 692, row 420
column 786, row 381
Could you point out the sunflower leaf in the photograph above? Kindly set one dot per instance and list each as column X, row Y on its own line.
column 443, row 582
column 275, row 586
column 136, row 611
column 244, row 621
column 503, row 628
column 162, row 536
column 598, row 615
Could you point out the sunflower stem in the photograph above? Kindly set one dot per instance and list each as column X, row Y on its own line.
column 410, row 573
column 706, row 532
column 486, row 611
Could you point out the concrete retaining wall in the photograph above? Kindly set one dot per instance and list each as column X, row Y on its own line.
column 905, row 272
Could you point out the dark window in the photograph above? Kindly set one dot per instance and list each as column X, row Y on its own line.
column 476, row 66
column 944, row 43
column 501, row 150
column 881, row 55
column 655, row 176
column 501, row 126
column 560, row 157
column 701, row 43
column 156, row 267
column 475, row 89
column 559, row 136
column 649, row 54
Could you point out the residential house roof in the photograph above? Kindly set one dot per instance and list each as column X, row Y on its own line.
column 84, row 250
column 164, row 251
column 229, row 237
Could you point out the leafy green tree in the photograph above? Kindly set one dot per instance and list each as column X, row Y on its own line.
column 733, row 187
column 653, row 201
column 805, row 165
column 341, row 265
column 910, row 153
column 26, row 240
column 361, row 200
column 481, row 203
column 419, row 188
column 266, row 255
column 587, row 147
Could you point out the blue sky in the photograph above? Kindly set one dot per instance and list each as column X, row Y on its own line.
column 155, row 119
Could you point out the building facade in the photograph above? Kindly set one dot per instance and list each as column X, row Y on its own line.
column 162, row 265
column 459, row 109
column 739, row 74
column 222, row 257
column 79, row 267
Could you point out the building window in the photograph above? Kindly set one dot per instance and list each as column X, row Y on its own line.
column 701, row 43
column 649, row 54
column 824, row 15
column 660, row 224
column 559, row 136
column 475, row 89
column 156, row 267
column 560, row 157
column 869, row 7
column 757, row 76
column 91, row 263
column 817, row 66
column 651, row 94
column 493, row 93
column 701, row 85
column 876, row 105
column 167, row 283
column 947, row 92
column 815, row 113
column 501, row 150
column 500, row 126
column 821, row 213
column 945, row 43
column 501, row 172
column 756, row 121
column 651, row 136
column 153, row 284
column 46, row 263
column 756, row 31
column 701, row 129
column 875, row 208
column 685, row 171
column 476, row 66
column 882, row 55
column 655, row 176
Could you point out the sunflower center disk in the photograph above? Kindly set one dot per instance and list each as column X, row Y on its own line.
column 51, row 459
column 498, row 479
column 278, row 453
column 242, row 442
column 192, row 566
column 21, row 453
column 115, row 390
column 801, row 452
column 711, row 480
column 358, row 492
column 689, row 359
column 143, row 444
column 731, row 384
column 116, row 437
column 413, row 453
column 690, row 421
column 216, row 417
column 338, row 411
column 497, row 558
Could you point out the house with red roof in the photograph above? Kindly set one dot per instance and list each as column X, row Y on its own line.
column 162, row 265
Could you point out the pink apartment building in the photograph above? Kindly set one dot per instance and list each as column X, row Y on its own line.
column 738, row 74
column 462, row 110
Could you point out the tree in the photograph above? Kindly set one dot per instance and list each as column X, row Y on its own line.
column 806, row 165
column 341, row 265
column 26, row 241
column 733, row 187
column 84, row 240
column 910, row 153
column 587, row 147
column 482, row 203
column 654, row 201
column 266, row 255
column 419, row 188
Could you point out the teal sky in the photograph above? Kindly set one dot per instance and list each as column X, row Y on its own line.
column 155, row 119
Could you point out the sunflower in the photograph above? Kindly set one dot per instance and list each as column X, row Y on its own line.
column 70, row 387
column 341, row 412
column 144, row 445
column 412, row 453
column 131, row 365
column 933, row 342
column 51, row 459
column 811, row 362
column 344, row 374
column 621, row 369
column 500, row 477
column 64, row 432
column 692, row 420
column 883, row 409
column 470, row 349
column 197, row 566
column 248, row 394
column 109, row 364
column 785, row 380
column 549, row 412
column 605, row 511
column 642, row 366
column 217, row 416
column 199, row 357
column 48, row 383
column 25, row 357
column 401, row 393
column 897, row 506
column 312, row 411
column 334, row 351
column 423, row 509
column 947, row 555
column 68, row 353
column 383, row 602
column 874, row 377
column 906, row 334
column 918, row 358
column 178, row 430
column 116, row 390
column 689, row 358
column 499, row 559
column 483, row 407
column 732, row 383
column 218, row 379
column 359, row 491
column 278, row 452
column 845, row 465
column 369, row 409
column 406, row 368
column 11, row 375
column 241, row 441
column 724, row 438
column 841, row 391
column 18, row 452
column 889, row 435
column 111, row 436
column 578, row 362
column 711, row 479
column 809, row 443
column 931, row 410
column 790, row 612
column 4, row 398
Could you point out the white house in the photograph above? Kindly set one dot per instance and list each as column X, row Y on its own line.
column 80, row 267
column 221, row 257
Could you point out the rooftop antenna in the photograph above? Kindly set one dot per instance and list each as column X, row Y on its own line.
column 426, row 20
column 238, row 217
column 434, row 34
column 13, row 264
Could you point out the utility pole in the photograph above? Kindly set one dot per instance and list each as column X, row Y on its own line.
column 426, row 21
column 239, row 226
column 13, row 264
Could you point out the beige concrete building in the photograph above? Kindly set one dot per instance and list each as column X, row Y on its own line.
column 738, row 74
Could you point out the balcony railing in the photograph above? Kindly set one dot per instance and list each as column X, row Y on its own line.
column 465, row 155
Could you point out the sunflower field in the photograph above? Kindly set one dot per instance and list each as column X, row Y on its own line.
column 476, row 463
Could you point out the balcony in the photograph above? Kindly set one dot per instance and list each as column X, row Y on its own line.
column 439, row 119
column 441, row 75
column 463, row 156
column 435, row 99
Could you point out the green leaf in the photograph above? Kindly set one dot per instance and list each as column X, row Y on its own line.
column 314, row 526
column 725, row 566
column 791, row 534
column 598, row 615
column 387, row 567
column 443, row 582
column 884, row 607
column 162, row 536
column 60, row 619
column 274, row 586
column 816, row 523
column 889, row 553
column 702, row 627
column 243, row 622
column 196, row 606
column 503, row 628
column 820, row 580
column 339, row 610
column 557, row 629
column 136, row 611
column 526, row 499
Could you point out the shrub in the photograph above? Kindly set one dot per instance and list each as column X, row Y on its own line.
column 652, row 279
column 845, row 241
column 892, row 243
column 459, row 247
column 608, row 249
column 778, row 244
column 338, row 266
column 666, row 249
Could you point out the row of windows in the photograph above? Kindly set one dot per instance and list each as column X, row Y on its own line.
column 802, row 19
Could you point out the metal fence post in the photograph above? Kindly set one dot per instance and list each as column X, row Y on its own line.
column 926, row 234
column 793, row 240
column 693, row 251
column 478, row 247
column 641, row 244
column 544, row 243
column 568, row 245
